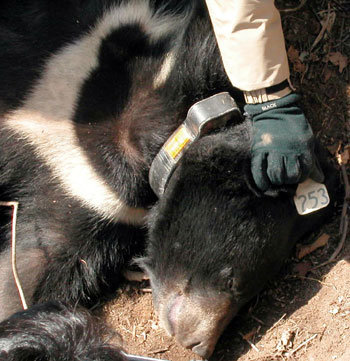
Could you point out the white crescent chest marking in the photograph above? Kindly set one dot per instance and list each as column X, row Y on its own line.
column 44, row 119
column 55, row 143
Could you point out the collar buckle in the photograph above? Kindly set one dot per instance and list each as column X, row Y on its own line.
column 207, row 114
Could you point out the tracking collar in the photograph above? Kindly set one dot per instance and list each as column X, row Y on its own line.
column 207, row 114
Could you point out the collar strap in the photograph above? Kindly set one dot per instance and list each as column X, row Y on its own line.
column 210, row 113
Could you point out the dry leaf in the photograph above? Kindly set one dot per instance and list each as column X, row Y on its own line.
column 328, row 20
column 314, row 57
column 250, row 334
column 344, row 157
column 334, row 148
column 339, row 60
column 302, row 268
column 294, row 58
column 320, row 242
column 327, row 75
column 293, row 54
column 299, row 67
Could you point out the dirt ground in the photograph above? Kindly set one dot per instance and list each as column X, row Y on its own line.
column 305, row 313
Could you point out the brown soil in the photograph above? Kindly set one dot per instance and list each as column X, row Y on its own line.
column 303, row 315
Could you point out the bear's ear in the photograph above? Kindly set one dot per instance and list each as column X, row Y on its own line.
column 132, row 41
column 124, row 43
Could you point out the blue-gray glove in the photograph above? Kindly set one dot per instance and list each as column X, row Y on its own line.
column 282, row 145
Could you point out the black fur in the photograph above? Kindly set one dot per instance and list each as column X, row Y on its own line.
column 54, row 332
column 30, row 31
column 67, row 249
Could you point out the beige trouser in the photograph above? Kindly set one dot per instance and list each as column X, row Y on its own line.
column 250, row 38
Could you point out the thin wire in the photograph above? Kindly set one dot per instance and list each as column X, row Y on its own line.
column 14, row 204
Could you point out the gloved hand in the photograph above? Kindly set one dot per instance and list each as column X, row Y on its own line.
column 283, row 144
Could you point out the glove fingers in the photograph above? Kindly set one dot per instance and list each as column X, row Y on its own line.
column 275, row 169
column 258, row 168
column 292, row 169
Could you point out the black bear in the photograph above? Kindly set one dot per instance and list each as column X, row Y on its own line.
column 214, row 241
column 89, row 92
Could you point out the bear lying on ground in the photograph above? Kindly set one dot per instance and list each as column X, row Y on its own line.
column 214, row 242
column 90, row 92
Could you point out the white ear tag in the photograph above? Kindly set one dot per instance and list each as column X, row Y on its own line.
column 310, row 197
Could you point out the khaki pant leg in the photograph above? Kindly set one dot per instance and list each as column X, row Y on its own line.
column 250, row 38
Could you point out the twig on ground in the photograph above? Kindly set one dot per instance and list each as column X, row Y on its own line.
column 146, row 290
column 276, row 323
column 313, row 279
column 346, row 203
column 256, row 319
column 344, row 221
column 302, row 3
column 250, row 342
column 302, row 344
column 160, row 350
column 323, row 29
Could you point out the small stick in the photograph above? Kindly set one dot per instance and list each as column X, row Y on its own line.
column 346, row 196
column 302, row 3
column 14, row 204
column 313, row 279
column 250, row 343
column 138, row 358
column 323, row 30
column 303, row 344
column 146, row 290
column 276, row 323
column 160, row 350
column 344, row 222
column 256, row 319
column 338, row 249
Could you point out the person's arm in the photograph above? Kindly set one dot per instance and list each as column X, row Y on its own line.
column 251, row 42
column 250, row 38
